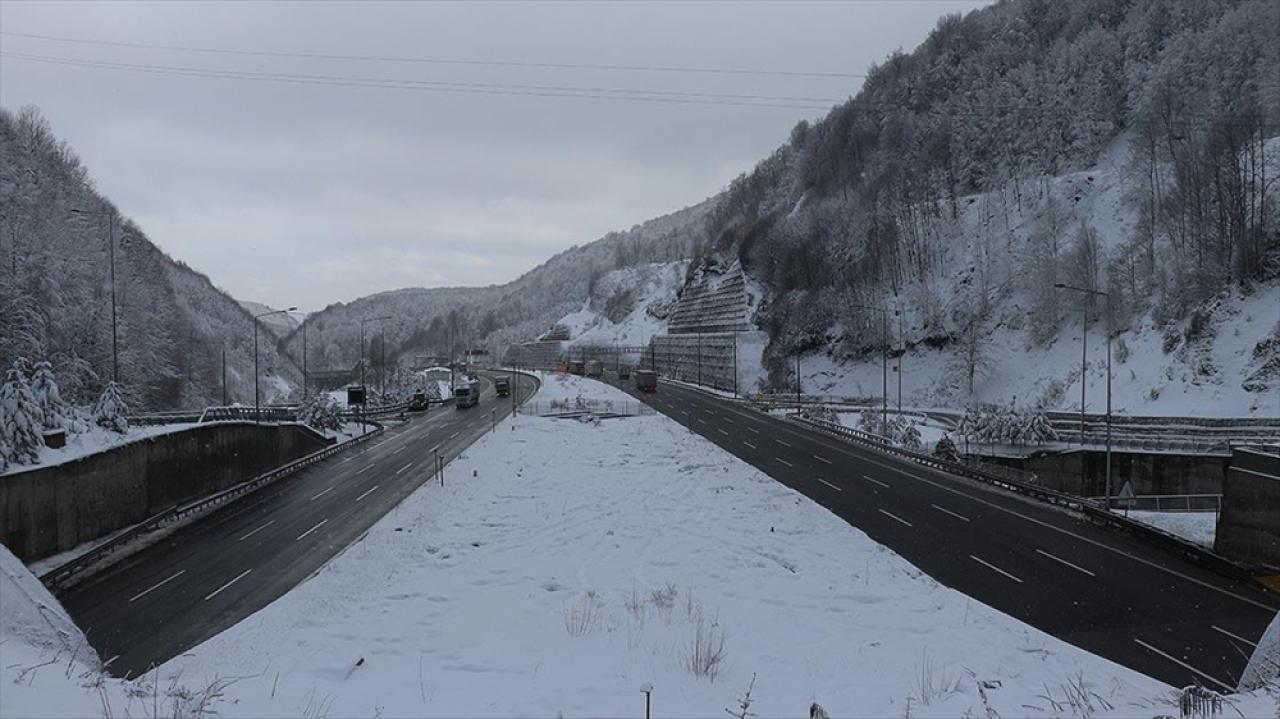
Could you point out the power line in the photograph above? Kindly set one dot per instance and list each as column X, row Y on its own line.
column 596, row 93
column 438, row 61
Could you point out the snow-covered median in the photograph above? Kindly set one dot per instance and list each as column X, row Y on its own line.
column 563, row 564
column 1196, row 527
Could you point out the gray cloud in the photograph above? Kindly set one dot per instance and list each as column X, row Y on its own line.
column 297, row 194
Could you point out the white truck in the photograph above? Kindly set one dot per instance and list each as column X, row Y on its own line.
column 466, row 393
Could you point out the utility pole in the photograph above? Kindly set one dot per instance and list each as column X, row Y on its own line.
column 110, row 214
column 224, row 374
column 797, row 380
column 884, row 361
column 257, row 401
column 1084, row 334
column 902, row 340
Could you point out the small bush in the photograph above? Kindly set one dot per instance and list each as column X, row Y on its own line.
column 706, row 653
column 583, row 617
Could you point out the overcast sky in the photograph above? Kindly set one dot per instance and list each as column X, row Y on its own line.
column 306, row 194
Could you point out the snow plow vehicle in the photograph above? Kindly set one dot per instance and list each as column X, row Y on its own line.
column 419, row 402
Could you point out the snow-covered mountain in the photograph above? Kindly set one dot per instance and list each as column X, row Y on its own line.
column 278, row 323
column 172, row 322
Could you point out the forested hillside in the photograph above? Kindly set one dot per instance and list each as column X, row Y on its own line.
column 55, row 291
column 868, row 207
column 426, row 321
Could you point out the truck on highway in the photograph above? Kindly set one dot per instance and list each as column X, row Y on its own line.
column 502, row 386
column 466, row 394
column 419, row 402
column 646, row 380
column 595, row 368
column 624, row 372
column 577, row 367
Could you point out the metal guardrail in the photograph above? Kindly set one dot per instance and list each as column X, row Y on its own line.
column 1174, row 503
column 1091, row 512
column 61, row 575
column 600, row 408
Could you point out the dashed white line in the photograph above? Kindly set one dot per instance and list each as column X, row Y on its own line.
column 1184, row 665
column 397, row 449
column 994, row 568
column 822, row 459
column 259, row 529
column 367, row 493
column 684, row 413
column 944, row 510
column 753, row 429
column 875, row 481
column 398, row 471
column 455, row 434
column 1060, row 560
column 782, row 442
column 358, row 471
column 894, row 517
column 702, row 420
column 820, row 479
column 784, row 461
column 318, row 496
column 320, row 524
column 721, row 431
column 218, row 591
column 157, row 585
column 1220, row 630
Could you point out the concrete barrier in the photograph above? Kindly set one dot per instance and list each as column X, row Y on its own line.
column 1083, row 472
column 46, row 510
column 1249, row 526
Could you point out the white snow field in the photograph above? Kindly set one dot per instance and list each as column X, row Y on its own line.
column 1198, row 527
column 563, row 564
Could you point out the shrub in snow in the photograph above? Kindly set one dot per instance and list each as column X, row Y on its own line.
column 946, row 449
column 20, row 435
column 908, row 437
column 110, row 410
column 53, row 411
column 321, row 412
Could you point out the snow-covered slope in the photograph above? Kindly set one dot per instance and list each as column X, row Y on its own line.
column 627, row 306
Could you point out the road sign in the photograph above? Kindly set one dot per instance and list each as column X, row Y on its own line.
column 355, row 395
column 1126, row 498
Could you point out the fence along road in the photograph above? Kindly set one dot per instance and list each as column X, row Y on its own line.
column 1110, row 594
column 206, row 576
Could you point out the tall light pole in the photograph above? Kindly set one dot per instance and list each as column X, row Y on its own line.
column 362, row 323
column 884, row 357
column 257, row 398
column 305, row 377
column 110, row 214
column 1084, row 333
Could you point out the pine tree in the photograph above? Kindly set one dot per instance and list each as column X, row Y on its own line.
column 110, row 410
column 19, row 419
column 53, row 411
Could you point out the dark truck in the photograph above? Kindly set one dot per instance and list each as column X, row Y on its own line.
column 502, row 386
column 466, row 394
column 646, row 380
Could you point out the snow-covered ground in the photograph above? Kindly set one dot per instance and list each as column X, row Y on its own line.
column 1197, row 527
column 568, row 563
column 651, row 289
column 95, row 439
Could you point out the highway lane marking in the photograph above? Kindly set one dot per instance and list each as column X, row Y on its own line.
column 895, row 517
column 259, row 529
column 455, row 434
column 398, row 471
column 994, row 568
column 784, row 461
column 875, row 481
column 1220, row 630
column 218, row 591
column 702, row 420
column 820, row 479
column 721, row 431
column 318, row 496
column 684, row 413
column 1184, row 665
column 944, row 510
column 753, row 429
column 397, row 449
column 782, row 442
column 358, row 471
column 748, row 444
column 1076, row 567
column 163, row 582
column 367, row 493
column 108, row 662
column 822, row 459
column 309, row 531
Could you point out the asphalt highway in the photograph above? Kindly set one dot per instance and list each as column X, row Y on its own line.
column 210, row 574
column 1112, row 595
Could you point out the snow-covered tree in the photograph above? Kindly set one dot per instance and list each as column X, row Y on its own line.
column 110, row 410
column 321, row 412
column 20, row 434
column 53, row 411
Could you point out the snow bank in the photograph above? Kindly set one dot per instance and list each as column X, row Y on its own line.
column 95, row 439
column 564, row 564
column 1198, row 527
column 1264, row 665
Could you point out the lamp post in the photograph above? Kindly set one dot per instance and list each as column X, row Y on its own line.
column 362, row 323
column 1084, row 333
column 884, row 356
column 257, row 400
column 110, row 214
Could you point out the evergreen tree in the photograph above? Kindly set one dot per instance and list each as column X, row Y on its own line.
column 110, row 410
column 53, row 411
column 19, row 419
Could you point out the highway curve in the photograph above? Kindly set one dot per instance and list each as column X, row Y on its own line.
column 1109, row 594
column 210, row 574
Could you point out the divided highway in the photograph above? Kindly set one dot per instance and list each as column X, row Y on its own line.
column 1109, row 594
column 208, row 575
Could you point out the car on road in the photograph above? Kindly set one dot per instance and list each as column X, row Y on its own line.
column 466, row 394
column 502, row 386
column 646, row 380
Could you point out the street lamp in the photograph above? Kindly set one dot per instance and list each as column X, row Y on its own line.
column 362, row 323
column 257, row 401
column 110, row 214
column 1084, row 334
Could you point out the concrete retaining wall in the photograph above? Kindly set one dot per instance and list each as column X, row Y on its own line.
column 1249, row 526
column 1083, row 473
column 48, row 510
